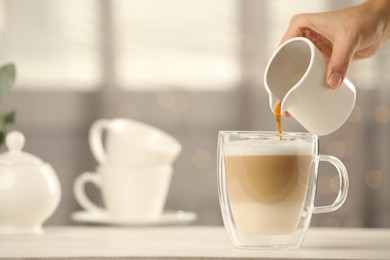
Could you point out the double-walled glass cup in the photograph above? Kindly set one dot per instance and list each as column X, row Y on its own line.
column 267, row 184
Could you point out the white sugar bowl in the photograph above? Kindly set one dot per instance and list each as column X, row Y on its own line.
column 29, row 189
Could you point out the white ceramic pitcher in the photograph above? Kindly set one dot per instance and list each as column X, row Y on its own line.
column 295, row 76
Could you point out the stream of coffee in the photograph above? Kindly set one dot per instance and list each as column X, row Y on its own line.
column 278, row 116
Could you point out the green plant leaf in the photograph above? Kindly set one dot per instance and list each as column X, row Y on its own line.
column 7, row 78
column 2, row 137
column 9, row 117
column 2, row 123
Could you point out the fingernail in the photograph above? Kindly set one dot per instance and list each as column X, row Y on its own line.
column 335, row 80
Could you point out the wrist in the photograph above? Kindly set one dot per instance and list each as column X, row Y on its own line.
column 381, row 9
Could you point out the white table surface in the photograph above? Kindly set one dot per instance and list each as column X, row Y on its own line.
column 99, row 242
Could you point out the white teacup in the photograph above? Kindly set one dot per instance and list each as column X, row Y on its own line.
column 129, row 142
column 128, row 193
column 295, row 76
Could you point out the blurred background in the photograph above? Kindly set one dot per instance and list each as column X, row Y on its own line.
column 191, row 68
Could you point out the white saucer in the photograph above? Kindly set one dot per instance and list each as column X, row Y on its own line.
column 167, row 218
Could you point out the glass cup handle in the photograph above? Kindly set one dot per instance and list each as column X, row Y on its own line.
column 343, row 190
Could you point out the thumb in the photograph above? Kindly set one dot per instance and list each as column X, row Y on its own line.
column 341, row 56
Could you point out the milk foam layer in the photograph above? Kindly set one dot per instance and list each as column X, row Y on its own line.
column 266, row 219
column 268, row 147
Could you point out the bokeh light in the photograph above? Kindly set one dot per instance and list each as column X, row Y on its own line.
column 382, row 114
column 373, row 179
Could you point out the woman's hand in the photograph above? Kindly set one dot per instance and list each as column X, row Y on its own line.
column 344, row 35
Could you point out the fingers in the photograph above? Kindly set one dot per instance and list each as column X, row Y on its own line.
column 322, row 43
column 342, row 53
column 294, row 29
column 291, row 33
column 337, row 46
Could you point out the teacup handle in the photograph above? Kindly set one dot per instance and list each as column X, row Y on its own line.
column 79, row 190
column 96, row 140
column 343, row 191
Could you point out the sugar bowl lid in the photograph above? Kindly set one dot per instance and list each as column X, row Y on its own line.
column 15, row 156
